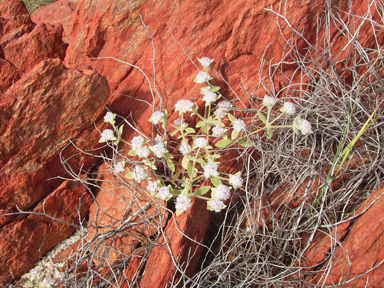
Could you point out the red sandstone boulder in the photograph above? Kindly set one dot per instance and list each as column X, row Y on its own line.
column 361, row 251
column 25, row 241
column 14, row 22
column 44, row 42
column 50, row 104
column 59, row 13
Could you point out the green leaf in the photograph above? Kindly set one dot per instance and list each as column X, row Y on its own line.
column 132, row 153
column 171, row 165
column 121, row 129
column 262, row 117
column 223, row 143
column 185, row 191
column 176, row 191
column 190, row 130
column 189, row 169
column 234, row 134
column 179, row 211
column 218, row 123
column 202, row 190
column 214, row 88
column 269, row 133
column 200, row 124
column 173, row 133
column 215, row 181
column 129, row 175
column 168, row 155
column 202, row 162
column 231, row 117
column 246, row 143
column 185, row 162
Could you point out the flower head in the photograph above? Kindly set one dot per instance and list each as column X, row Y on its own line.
column 269, row 101
column 217, row 131
column 202, row 77
column 239, row 125
column 211, row 170
column 305, row 127
column 109, row 117
column 143, row 152
column 216, row 205
column 208, row 96
column 156, row 117
column 137, row 142
column 163, row 193
column 223, row 107
column 288, row 108
column 119, row 167
column 221, row 192
column 185, row 148
column 201, row 142
column 205, row 61
column 183, row 202
column 107, row 135
column 139, row 173
column 301, row 125
column 183, row 106
column 152, row 187
column 159, row 150
column 236, row 181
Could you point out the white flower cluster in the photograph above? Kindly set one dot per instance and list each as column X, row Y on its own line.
column 210, row 170
column 107, row 135
column 208, row 96
column 159, row 150
column 119, row 167
column 152, row 187
column 185, row 148
column 183, row 202
column 183, row 106
column 217, row 131
column 239, row 125
column 201, row 142
column 236, row 181
column 302, row 125
column 143, row 152
column 163, row 193
column 156, row 117
column 223, row 108
column 137, row 142
column 139, row 173
column 109, row 117
column 269, row 101
column 202, row 77
column 288, row 108
column 205, row 61
column 305, row 127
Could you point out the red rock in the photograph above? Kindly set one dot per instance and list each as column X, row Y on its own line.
column 57, row 13
column 41, row 112
column 44, row 42
column 181, row 239
column 14, row 22
column 8, row 75
column 115, row 203
column 25, row 241
column 361, row 249
column 50, row 104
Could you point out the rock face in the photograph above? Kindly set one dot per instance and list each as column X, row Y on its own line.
column 53, row 90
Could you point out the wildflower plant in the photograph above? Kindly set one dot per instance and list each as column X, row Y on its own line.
column 198, row 152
